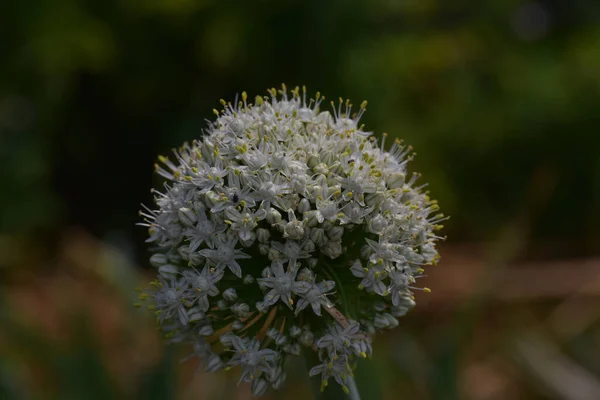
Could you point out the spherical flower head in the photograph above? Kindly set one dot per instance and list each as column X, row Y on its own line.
column 287, row 229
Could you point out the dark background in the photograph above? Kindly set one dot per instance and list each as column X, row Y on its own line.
column 500, row 100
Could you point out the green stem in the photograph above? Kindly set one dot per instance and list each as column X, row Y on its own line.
column 353, row 390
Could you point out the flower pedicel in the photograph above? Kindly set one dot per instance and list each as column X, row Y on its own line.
column 286, row 229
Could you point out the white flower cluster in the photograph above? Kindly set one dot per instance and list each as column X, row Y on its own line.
column 287, row 228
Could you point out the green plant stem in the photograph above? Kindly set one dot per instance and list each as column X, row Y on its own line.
column 353, row 390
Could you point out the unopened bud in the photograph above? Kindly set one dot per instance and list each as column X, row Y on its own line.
column 230, row 294
column 187, row 216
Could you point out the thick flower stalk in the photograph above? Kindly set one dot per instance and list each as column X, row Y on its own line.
column 287, row 229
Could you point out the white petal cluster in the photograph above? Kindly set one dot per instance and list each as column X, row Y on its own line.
column 278, row 213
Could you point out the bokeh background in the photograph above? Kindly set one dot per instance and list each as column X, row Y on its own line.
column 501, row 100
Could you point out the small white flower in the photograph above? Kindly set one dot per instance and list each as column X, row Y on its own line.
column 225, row 255
column 244, row 222
column 204, row 231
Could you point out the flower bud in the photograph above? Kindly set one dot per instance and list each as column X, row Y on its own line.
column 295, row 331
column 363, row 348
column 199, row 208
column 273, row 216
column 294, row 230
column 278, row 377
column 392, row 321
column 316, row 190
column 406, row 304
column 303, row 206
column 312, row 161
column 187, row 216
column 263, row 249
column 299, row 185
column 237, row 325
column 307, row 338
column 221, row 305
column 293, row 349
column 332, row 249
column 365, row 252
column 261, row 307
column 207, row 151
column 206, row 330
column 211, row 199
column 167, row 270
column 385, row 321
column 321, row 168
column 428, row 251
column 327, row 157
column 242, row 310
column 279, row 227
column 327, row 225
column 377, row 224
column 335, row 233
column 230, row 294
column 192, row 258
column 372, row 199
column 158, row 259
column 197, row 317
column 281, row 340
column 369, row 328
column 395, row 180
column 309, row 246
column 237, row 126
column 310, row 218
column 380, row 321
column 273, row 333
column 263, row 235
column 334, row 189
column 227, row 339
column 249, row 241
column 214, row 363
column 259, row 387
column 318, row 236
column 273, row 254
column 306, row 274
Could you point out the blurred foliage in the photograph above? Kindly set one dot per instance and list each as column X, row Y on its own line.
column 500, row 100
column 489, row 95
column 71, row 332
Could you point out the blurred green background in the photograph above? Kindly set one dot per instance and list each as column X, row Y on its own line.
column 501, row 101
